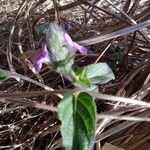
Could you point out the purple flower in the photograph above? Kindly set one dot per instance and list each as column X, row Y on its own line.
column 73, row 45
column 40, row 58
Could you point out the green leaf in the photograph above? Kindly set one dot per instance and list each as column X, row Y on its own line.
column 114, row 49
column 78, row 118
column 99, row 73
column 117, row 57
column 84, row 122
column 80, row 76
column 65, row 113
column 3, row 77
column 115, row 52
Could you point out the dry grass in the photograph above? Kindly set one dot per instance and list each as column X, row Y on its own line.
column 28, row 116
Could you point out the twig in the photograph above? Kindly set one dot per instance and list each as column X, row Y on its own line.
column 52, row 11
column 130, row 47
column 116, row 34
column 123, row 117
column 34, row 93
column 56, row 12
column 9, row 53
column 99, row 57
column 32, row 104
column 119, row 127
column 144, row 35
column 16, row 75
column 95, row 95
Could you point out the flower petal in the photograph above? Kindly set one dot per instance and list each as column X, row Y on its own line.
column 38, row 66
column 39, row 58
column 68, row 40
column 44, row 51
column 81, row 49
column 73, row 46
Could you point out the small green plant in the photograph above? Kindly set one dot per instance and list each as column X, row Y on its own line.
column 115, row 52
column 76, row 111
column 3, row 77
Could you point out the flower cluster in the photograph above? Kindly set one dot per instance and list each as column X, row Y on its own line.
column 43, row 55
